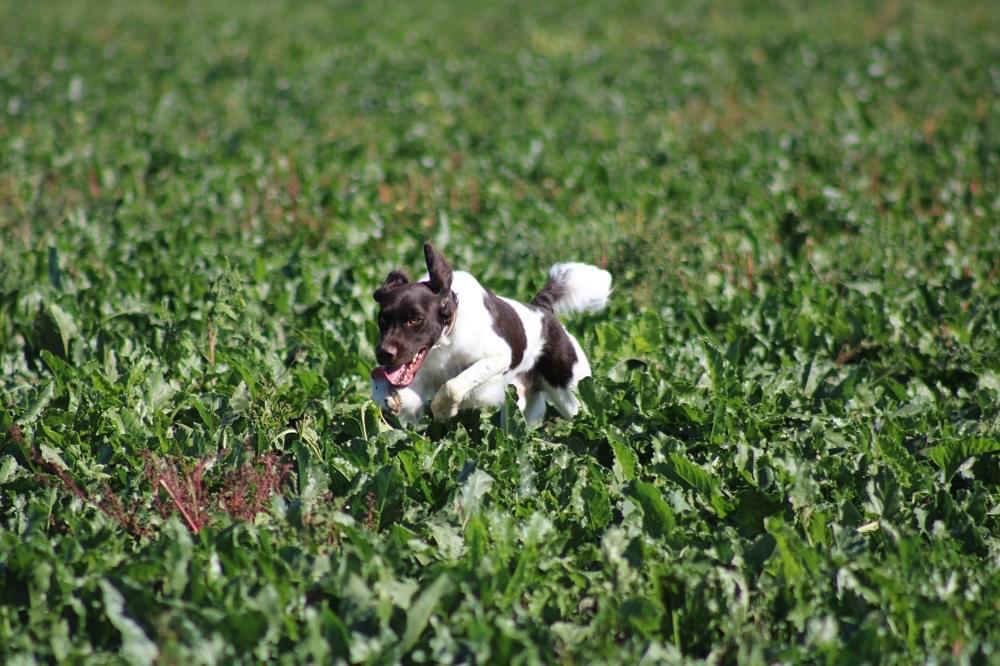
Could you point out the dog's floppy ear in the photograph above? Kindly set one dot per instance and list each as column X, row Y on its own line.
column 439, row 270
column 393, row 280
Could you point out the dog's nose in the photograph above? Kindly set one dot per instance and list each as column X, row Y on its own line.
column 385, row 353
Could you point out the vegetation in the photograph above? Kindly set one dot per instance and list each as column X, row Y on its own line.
column 789, row 448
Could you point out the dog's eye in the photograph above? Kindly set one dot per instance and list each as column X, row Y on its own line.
column 414, row 322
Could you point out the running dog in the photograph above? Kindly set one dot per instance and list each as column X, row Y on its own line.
column 449, row 342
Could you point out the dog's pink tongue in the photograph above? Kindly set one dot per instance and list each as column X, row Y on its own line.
column 396, row 375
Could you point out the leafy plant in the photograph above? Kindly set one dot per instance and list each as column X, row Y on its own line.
column 787, row 451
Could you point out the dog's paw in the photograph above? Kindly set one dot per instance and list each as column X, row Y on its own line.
column 393, row 403
column 444, row 406
column 386, row 397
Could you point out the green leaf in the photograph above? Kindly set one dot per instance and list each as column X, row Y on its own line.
column 8, row 469
column 51, row 456
column 420, row 612
column 641, row 615
column 572, row 634
column 596, row 502
column 136, row 647
column 797, row 562
column 472, row 492
column 952, row 455
column 657, row 518
column 625, row 459
column 701, row 482
column 387, row 486
column 476, row 539
column 337, row 636
column 38, row 405
column 178, row 556
column 68, row 328
column 314, row 481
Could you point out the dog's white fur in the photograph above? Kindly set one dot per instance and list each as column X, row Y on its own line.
column 469, row 366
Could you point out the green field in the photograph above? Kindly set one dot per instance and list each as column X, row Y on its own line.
column 789, row 452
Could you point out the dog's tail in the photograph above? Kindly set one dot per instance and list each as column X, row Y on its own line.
column 574, row 287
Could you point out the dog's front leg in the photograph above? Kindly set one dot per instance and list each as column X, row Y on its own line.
column 450, row 396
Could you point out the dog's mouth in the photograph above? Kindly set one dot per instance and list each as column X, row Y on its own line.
column 402, row 375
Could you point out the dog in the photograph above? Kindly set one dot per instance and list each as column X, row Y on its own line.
column 449, row 342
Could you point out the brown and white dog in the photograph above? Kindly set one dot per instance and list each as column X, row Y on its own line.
column 449, row 342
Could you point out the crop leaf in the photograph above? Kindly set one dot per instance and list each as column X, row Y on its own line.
column 420, row 612
column 952, row 455
column 657, row 517
column 137, row 648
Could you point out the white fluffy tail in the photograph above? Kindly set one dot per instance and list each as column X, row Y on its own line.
column 574, row 287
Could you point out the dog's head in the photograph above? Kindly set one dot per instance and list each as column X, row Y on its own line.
column 412, row 316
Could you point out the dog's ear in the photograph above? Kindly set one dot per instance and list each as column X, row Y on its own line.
column 393, row 280
column 439, row 270
column 447, row 308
